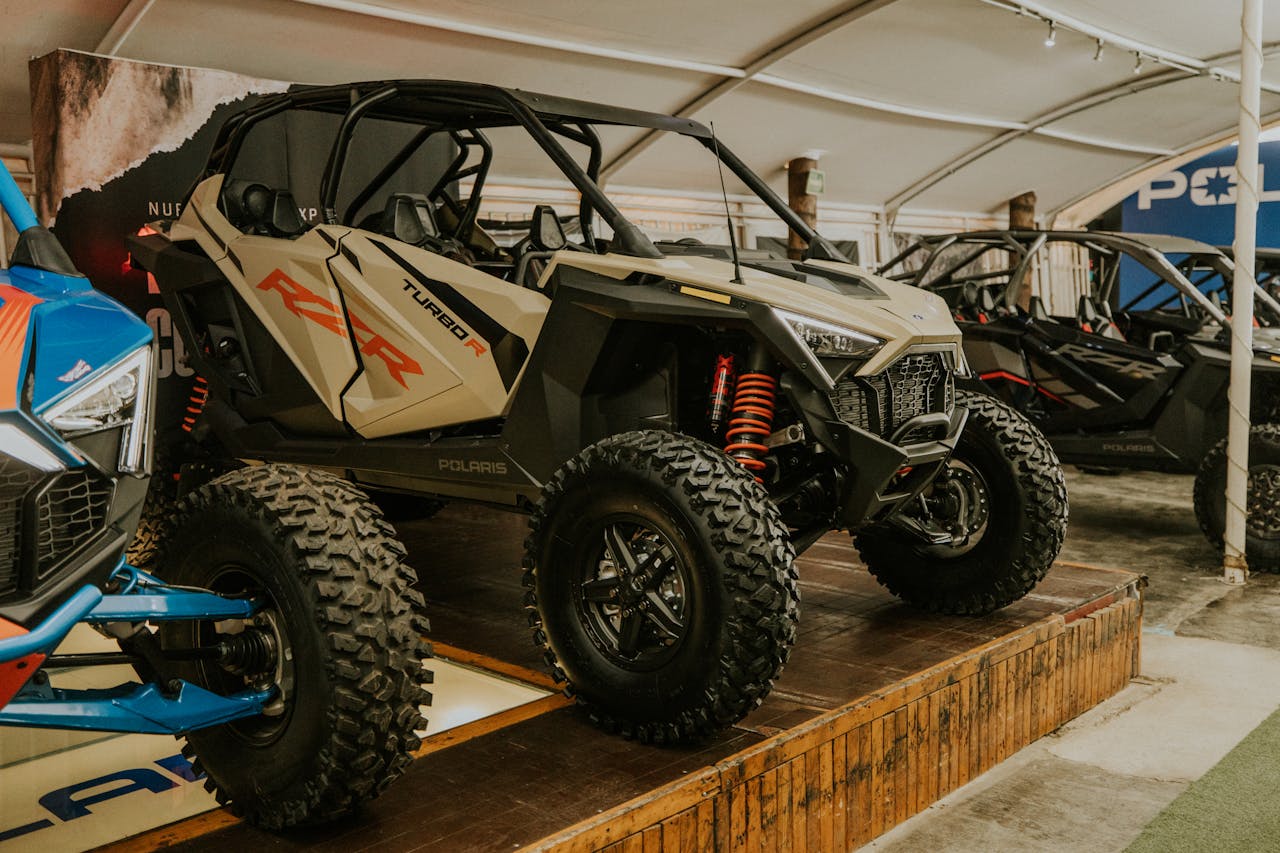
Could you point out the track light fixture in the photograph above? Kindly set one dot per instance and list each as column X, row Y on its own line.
column 1137, row 63
column 1051, row 39
column 1097, row 51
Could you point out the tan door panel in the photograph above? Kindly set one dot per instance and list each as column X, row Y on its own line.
column 287, row 285
column 203, row 222
column 470, row 332
column 402, row 367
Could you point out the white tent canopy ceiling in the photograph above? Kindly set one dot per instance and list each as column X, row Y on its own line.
column 917, row 105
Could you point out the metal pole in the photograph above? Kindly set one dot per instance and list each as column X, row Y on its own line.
column 1234, row 566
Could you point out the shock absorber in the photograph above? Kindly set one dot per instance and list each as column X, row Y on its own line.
column 751, row 420
column 721, row 388
column 195, row 403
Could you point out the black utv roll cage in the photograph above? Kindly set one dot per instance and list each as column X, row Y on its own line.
column 460, row 111
column 1152, row 251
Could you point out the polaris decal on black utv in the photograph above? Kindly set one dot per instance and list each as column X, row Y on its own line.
column 679, row 419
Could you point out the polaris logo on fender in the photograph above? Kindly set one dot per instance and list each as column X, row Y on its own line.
column 472, row 466
column 455, row 328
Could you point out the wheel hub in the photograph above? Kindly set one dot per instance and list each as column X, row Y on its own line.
column 958, row 505
column 632, row 599
column 1264, row 501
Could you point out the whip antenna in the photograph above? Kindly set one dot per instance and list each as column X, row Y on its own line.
column 728, row 217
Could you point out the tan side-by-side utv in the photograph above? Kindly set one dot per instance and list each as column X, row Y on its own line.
column 679, row 419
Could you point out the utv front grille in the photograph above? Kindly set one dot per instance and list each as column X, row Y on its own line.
column 16, row 479
column 913, row 385
column 68, row 514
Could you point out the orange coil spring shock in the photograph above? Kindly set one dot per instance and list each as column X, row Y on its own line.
column 752, row 420
column 195, row 403
column 721, row 388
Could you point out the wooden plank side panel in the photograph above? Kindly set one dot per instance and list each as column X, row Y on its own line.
column 768, row 808
column 861, row 776
column 799, row 804
column 861, row 795
column 880, row 792
column 901, row 767
column 840, row 791
column 783, row 801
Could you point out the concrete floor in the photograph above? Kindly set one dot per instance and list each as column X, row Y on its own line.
column 1211, row 673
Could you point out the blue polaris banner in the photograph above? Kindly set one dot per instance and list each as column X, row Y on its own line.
column 1199, row 201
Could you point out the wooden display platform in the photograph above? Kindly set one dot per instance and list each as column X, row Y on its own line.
column 881, row 711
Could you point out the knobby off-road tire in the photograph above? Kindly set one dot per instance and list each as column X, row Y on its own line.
column 157, row 509
column 340, row 597
column 655, row 503
column 1262, row 529
column 1026, row 519
column 161, row 501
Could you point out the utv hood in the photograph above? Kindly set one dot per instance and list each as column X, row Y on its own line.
column 58, row 330
column 843, row 294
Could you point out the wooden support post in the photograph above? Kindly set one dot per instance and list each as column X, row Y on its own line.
column 801, row 201
column 1022, row 215
column 1022, row 211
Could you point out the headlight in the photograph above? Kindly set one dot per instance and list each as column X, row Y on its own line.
column 119, row 395
column 828, row 340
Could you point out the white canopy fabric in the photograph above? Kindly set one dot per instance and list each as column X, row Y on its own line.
column 915, row 105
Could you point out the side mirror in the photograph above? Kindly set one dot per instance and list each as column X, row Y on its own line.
column 547, row 235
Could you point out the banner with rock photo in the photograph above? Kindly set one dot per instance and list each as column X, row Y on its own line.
column 117, row 144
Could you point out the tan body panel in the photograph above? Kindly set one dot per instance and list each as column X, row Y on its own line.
column 287, row 285
column 460, row 380
column 418, row 372
column 909, row 317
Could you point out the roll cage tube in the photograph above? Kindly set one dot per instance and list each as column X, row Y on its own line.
column 466, row 215
column 1013, row 287
column 1159, row 264
column 627, row 238
column 338, row 153
column 393, row 165
column 820, row 248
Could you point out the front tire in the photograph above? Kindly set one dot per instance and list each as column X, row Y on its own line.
column 343, row 617
column 1002, row 496
column 1262, row 528
column 661, row 586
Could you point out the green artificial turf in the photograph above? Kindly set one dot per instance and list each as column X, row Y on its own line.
column 1233, row 807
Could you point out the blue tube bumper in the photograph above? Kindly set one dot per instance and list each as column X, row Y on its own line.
column 129, row 707
column 135, row 708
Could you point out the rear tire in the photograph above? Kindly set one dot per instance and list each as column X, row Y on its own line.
column 661, row 586
column 340, row 600
column 1262, row 531
column 1012, row 487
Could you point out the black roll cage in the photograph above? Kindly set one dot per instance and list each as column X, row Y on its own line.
column 462, row 110
column 1026, row 243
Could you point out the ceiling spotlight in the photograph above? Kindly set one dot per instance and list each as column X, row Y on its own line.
column 1097, row 52
column 1051, row 39
column 1137, row 63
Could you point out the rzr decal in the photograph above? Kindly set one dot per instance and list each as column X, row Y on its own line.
column 1118, row 363
column 455, row 328
column 509, row 350
column 309, row 305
